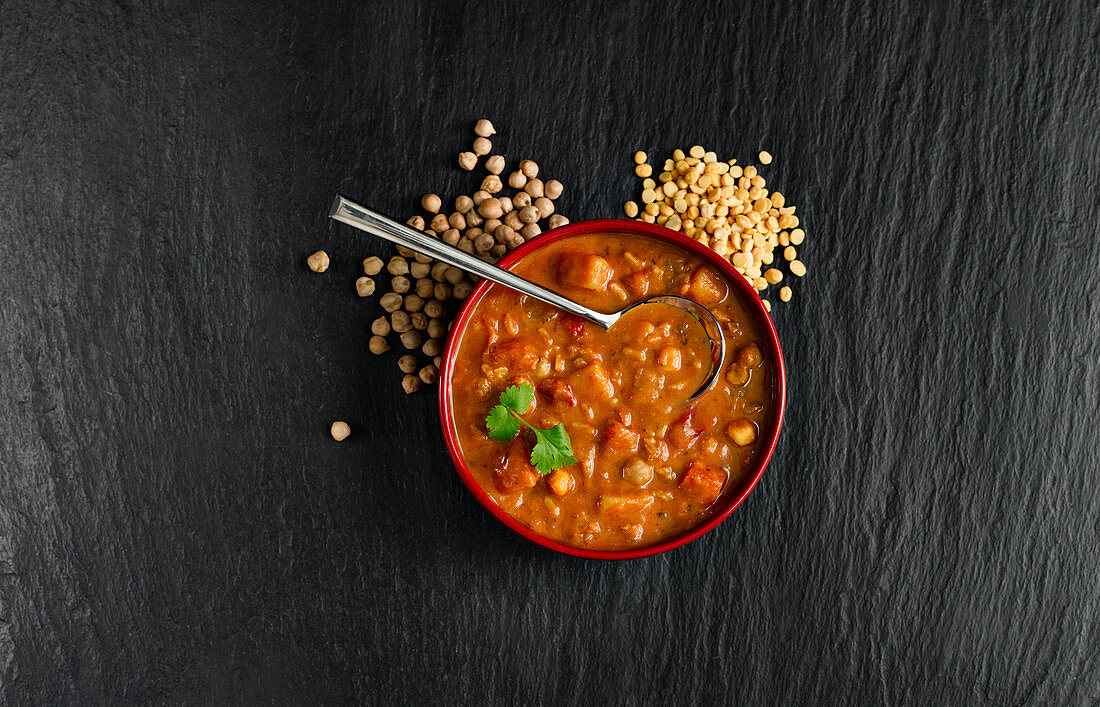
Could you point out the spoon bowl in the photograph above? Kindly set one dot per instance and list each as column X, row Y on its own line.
column 362, row 218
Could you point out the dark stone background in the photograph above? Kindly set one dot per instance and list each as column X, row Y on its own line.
column 176, row 524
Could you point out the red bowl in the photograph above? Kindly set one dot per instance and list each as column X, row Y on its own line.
column 748, row 295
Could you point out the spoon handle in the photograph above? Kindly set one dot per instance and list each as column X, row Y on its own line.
column 364, row 219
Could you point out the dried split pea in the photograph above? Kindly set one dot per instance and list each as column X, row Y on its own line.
column 764, row 157
column 785, row 294
column 798, row 268
column 640, row 157
column 630, row 208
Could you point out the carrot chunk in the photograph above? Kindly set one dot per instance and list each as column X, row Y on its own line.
column 703, row 483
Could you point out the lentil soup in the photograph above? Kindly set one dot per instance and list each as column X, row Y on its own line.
column 650, row 465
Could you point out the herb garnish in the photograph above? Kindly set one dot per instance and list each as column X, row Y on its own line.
column 552, row 449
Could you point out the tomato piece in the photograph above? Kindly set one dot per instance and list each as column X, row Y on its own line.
column 513, row 471
column 703, row 483
column 573, row 324
column 558, row 391
column 688, row 428
column 584, row 272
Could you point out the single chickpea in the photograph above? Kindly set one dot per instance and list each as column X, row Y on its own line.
column 410, row 383
column 378, row 345
column 506, row 204
column 405, row 252
column 474, row 219
column 495, row 164
column 557, row 221
column 741, row 432
column 545, row 206
column 483, row 243
column 318, row 262
column 637, row 472
column 467, row 160
column 433, row 309
column 484, row 128
column 697, row 152
column 530, row 230
column 431, row 203
column 490, row 226
column 560, row 482
column 749, row 355
column 429, row 374
column 529, row 214
column 372, row 265
column 436, row 329
column 451, row 274
column 419, row 321
column 797, row 236
column 441, row 291
column 456, row 220
column 432, row 347
column 517, row 179
column 364, row 286
column 438, row 271
column 413, row 303
column 512, row 221
column 504, row 233
column 491, row 208
column 391, row 301
column 737, row 375
column 380, row 326
column 521, row 199
column 439, row 223
column 340, row 430
column 411, row 340
column 498, row 250
column 464, row 204
column 553, row 189
column 463, row 289
column 529, row 168
column 400, row 322
column 416, row 222
column 407, row 363
column 479, row 196
column 424, row 287
column 437, row 362
column 535, row 188
column 482, row 146
column 419, row 270
column 491, row 184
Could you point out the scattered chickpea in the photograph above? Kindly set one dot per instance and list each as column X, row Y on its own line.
column 429, row 374
column 764, row 157
column 425, row 287
column 441, row 291
column 419, row 270
column 557, row 221
column 416, row 222
column 482, row 146
column 364, row 286
column 432, row 347
column 517, row 179
column 433, row 309
column 479, row 196
column 378, row 345
column 437, row 362
column 521, row 199
column 529, row 168
column 318, row 262
column 391, row 301
column 413, row 303
column 697, row 152
column 451, row 274
column 372, row 265
column 431, row 203
column 463, row 289
column 407, row 363
column 797, row 236
column 456, row 220
column 495, row 164
column 553, row 189
column 340, row 430
column 544, row 206
column 400, row 322
column 380, row 326
column 491, row 208
column 411, row 340
column 467, row 160
column 484, row 128
column 419, row 321
column 506, row 204
column 773, row 276
column 439, row 223
column 530, row 230
column 491, row 184
column 535, row 188
column 436, row 329
column 410, row 383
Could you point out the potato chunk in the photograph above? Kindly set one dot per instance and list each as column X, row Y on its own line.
column 619, row 505
column 584, row 272
column 741, row 432
column 703, row 483
column 517, row 355
column 706, row 287
column 513, row 471
column 593, row 380
column 620, row 437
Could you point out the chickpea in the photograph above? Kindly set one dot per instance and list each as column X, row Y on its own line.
column 407, row 363
column 391, row 301
column 410, row 383
column 491, row 225
column 504, row 234
column 529, row 168
column 529, row 214
column 432, row 347
column 456, row 220
column 416, row 222
column 411, row 340
column 479, row 196
column 431, row 203
column 638, row 472
column 553, row 189
column 530, row 231
column 545, row 206
column 741, row 432
column 380, row 326
column 749, row 355
column 560, row 482
column 399, row 284
column 438, row 271
column 318, row 262
column 419, row 321
column 534, row 188
column 439, row 223
column 737, row 375
column 400, row 322
column 413, row 303
column 517, row 180
column 495, row 164
column 378, row 345
column 482, row 146
column 425, row 287
column 483, row 243
column 397, row 266
column 491, row 208
column 451, row 274
column 437, row 362
column 521, row 199
column 436, row 329
column 434, row 309
column 364, row 286
column 467, row 161
column 498, row 250
column 429, row 374
column 340, row 430
column 557, row 221
column 441, row 291
column 372, row 265
column 506, row 204
column 406, row 252
column 513, row 221
column 463, row 289
column 484, row 128
column 491, row 184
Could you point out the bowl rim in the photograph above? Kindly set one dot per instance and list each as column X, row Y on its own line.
column 751, row 299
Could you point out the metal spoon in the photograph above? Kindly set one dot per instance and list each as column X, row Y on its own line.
column 375, row 224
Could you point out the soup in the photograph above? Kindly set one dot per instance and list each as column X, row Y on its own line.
column 650, row 465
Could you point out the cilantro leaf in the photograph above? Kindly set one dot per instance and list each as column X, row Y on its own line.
column 502, row 425
column 552, row 449
column 518, row 397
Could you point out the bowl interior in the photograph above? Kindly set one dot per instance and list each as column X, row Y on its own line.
column 747, row 295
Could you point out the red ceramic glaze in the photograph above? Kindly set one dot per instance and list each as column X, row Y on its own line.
column 748, row 295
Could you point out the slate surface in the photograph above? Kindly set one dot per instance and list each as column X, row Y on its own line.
column 177, row 526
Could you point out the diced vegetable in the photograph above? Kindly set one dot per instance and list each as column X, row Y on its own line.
column 584, row 272
column 702, row 482
column 513, row 472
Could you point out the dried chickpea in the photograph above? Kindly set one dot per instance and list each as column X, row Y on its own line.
column 416, row 222
column 773, row 276
column 697, row 152
column 506, row 204
column 413, row 303
column 432, row 347
column 512, row 221
column 479, row 196
column 364, row 286
column 429, row 374
column 424, row 287
column 411, row 340
column 521, row 199
column 484, row 128
column 439, row 223
column 529, row 168
column 529, row 214
column 380, row 326
column 340, row 430
column 797, row 236
column 391, row 301
column 535, row 188
column 530, row 230
column 491, row 208
column 410, row 383
column 378, row 345
column 456, row 220
column 495, row 164
column 557, row 221
column 437, row 362
column 318, row 262
column 433, row 309
column 372, row 265
column 451, row 274
column 462, row 289
column 401, row 322
column 407, row 363
column 491, row 184
column 553, row 189
column 436, row 329
column 517, row 179
column 431, row 203
column 419, row 321
column 441, row 291
column 482, row 146
column 544, row 206
column 467, row 160
column 399, row 284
